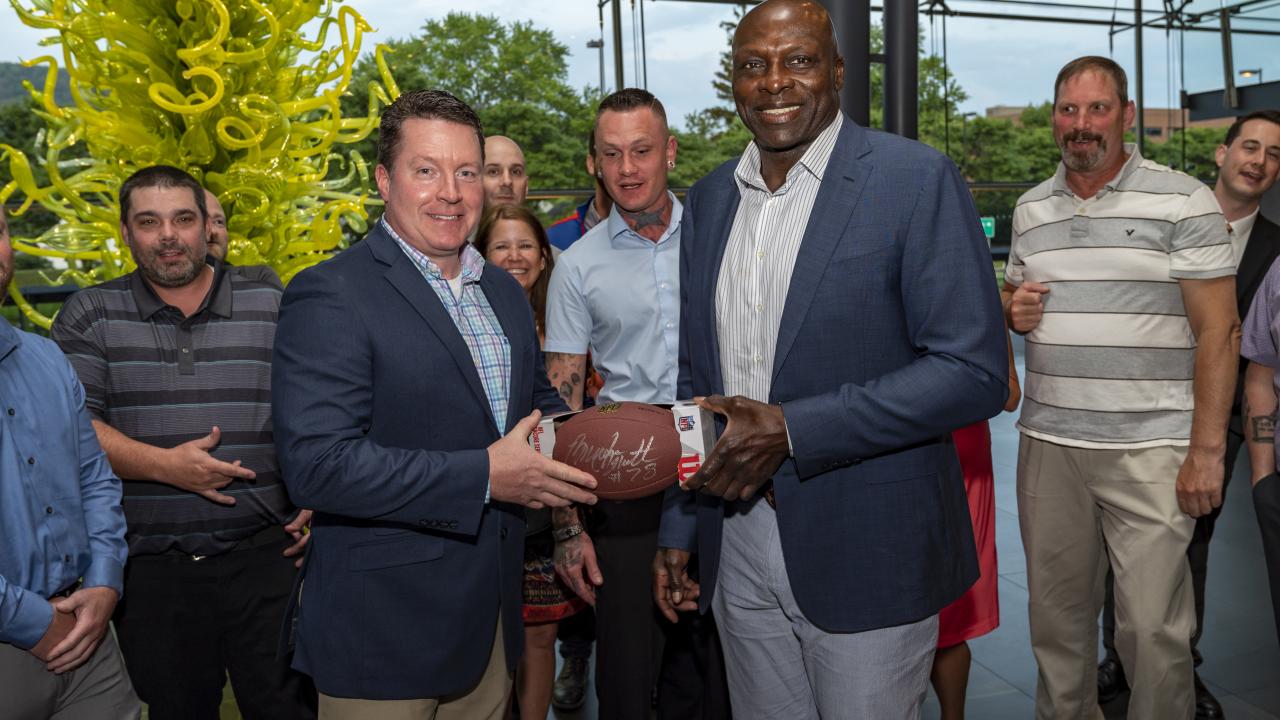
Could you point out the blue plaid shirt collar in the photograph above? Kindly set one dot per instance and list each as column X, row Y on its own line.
column 472, row 260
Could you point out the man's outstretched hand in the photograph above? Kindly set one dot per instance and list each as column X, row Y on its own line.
column 749, row 452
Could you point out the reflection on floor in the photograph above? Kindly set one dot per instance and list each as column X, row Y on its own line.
column 1242, row 658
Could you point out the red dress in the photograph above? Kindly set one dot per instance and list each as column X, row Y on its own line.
column 977, row 612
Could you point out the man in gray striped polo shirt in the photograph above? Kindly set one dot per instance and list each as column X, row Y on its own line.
column 175, row 359
column 1122, row 277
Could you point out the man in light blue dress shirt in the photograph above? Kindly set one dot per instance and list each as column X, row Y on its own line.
column 616, row 294
column 62, row 548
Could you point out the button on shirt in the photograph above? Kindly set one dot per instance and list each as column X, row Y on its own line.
column 60, row 514
column 755, row 274
column 617, row 294
column 476, row 322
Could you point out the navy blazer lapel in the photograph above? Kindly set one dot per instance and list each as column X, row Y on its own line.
column 1259, row 253
column 408, row 281
column 724, row 207
column 842, row 185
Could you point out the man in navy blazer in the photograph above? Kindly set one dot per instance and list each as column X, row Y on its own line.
column 837, row 285
column 399, row 365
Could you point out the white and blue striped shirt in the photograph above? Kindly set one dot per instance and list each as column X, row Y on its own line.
column 755, row 274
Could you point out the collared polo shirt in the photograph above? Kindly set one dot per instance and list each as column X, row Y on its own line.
column 1112, row 363
column 165, row 379
column 617, row 295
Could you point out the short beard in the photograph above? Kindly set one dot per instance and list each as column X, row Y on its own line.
column 173, row 278
column 1082, row 162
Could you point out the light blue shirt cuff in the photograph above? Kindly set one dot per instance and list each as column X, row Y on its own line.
column 31, row 620
column 105, row 572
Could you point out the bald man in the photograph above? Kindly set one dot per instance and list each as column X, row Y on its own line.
column 217, row 244
column 217, row 226
column 505, row 182
column 831, row 519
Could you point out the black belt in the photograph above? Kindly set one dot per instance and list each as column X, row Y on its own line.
column 67, row 591
column 270, row 535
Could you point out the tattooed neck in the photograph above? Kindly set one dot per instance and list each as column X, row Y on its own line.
column 650, row 223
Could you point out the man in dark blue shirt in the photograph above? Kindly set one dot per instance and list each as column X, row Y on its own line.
column 62, row 548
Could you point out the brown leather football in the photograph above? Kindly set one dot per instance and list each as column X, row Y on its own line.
column 631, row 448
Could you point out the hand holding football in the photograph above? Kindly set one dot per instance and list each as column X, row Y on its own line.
column 631, row 448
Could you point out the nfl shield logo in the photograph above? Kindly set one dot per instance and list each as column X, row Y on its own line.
column 685, row 423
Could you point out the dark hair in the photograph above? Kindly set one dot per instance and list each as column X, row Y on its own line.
column 626, row 100
column 1234, row 131
column 537, row 293
column 160, row 176
column 424, row 105
column 1097, row 63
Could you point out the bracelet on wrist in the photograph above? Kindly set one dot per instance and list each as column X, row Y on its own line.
column 564, row 533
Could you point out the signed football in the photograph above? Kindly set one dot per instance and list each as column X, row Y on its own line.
column 631, row 448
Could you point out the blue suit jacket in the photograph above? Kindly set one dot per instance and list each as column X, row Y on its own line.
column 381, row 425
column 891, row 336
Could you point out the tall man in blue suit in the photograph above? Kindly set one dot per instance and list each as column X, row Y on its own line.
column 398, row 367
column 838, row 290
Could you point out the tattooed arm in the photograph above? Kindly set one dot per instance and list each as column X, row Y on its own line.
column 1260, row 420
column 575, row 557
column 567, row 373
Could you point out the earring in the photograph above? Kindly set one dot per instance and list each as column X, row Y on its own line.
column 600, row 174
column 671, row 164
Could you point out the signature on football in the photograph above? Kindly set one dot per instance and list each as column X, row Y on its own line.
column 612, row 463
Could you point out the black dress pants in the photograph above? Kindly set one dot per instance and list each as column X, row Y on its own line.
column 577, row 633
column 636, row 647
column 1266, row 503
column 186, row 623
column 693, row 683
column 628, row 637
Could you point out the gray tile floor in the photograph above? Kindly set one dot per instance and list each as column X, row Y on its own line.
column 1242, row 657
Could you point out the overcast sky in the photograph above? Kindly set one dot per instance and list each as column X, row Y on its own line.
column 997, row 62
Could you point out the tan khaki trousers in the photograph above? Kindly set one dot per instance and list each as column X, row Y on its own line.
column 486, row 701
column 1078, row 508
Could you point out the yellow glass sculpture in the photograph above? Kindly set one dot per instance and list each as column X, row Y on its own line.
column 232, row 92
